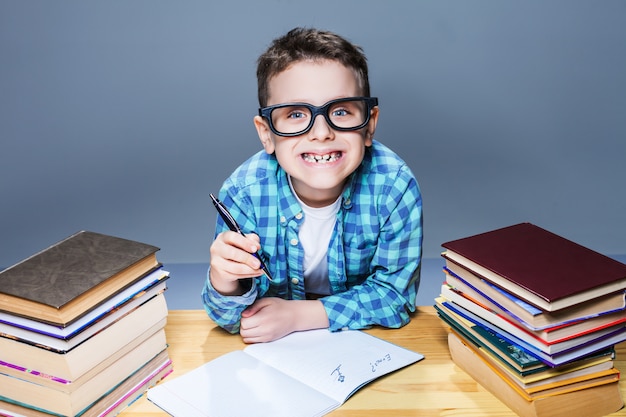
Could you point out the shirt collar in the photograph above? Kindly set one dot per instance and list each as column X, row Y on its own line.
column 288, row 205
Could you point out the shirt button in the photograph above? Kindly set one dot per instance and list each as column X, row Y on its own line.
column 293, row 241
column 283, row 220
column 295, row 281
column 299, row 216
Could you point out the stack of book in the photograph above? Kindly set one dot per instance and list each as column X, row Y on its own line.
column 82, row 327
column 534, row 318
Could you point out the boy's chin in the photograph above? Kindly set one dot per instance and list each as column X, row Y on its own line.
column 316, row 192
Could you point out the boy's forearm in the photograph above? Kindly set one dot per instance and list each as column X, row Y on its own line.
column 228, row 288
column 310, row 314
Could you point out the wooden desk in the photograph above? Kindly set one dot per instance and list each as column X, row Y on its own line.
column 434, row 386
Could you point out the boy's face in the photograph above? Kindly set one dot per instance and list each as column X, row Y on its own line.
column 320, row 160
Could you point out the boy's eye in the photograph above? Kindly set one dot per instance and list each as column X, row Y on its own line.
column 347, row 109
column 340, row 112
column 296, row 114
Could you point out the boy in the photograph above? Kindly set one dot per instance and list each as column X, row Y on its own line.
column 336, row 214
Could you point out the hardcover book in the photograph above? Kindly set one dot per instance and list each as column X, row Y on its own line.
column 569, row 382
column 609, row 307
column 593, row 401
column 554, row 334
column 544, row 269
column 63, row 339
column 115, row 401
column 74, row 399
column 511, row 355
column 87, row 357
column 551, row 345
column 65, row 281
column 574, row 353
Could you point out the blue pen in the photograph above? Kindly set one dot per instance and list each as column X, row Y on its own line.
column 232, row 225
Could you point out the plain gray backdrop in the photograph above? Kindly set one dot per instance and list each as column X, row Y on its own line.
column 121, row 117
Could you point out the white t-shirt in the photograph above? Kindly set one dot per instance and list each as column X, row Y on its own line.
column 314, row 235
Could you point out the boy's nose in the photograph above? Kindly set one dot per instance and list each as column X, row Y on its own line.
column 320, row 129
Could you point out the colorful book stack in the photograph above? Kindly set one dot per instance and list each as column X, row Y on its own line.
column 82, row 328
column 534, row 318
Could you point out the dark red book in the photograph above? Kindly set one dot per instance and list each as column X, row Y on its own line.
column 544, row 269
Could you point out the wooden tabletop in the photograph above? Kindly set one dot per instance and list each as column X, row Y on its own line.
column 434, row 386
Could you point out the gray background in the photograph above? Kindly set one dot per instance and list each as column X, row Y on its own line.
column 121, row 116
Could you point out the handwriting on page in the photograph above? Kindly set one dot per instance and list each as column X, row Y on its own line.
column 377, row 362
column 340, row 376
column 337, row 363
column 373, row 366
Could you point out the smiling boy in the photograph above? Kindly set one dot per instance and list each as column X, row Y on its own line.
column 336, row 214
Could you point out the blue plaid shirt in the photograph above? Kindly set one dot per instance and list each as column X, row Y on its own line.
column 373, row 256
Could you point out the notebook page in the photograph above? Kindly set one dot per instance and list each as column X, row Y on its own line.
column 235, row 385
column 336, row 364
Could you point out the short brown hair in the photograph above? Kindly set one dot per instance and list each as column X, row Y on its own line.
column 300, row 44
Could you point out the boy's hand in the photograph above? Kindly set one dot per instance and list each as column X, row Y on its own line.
column 232, row 259
column 271, row 318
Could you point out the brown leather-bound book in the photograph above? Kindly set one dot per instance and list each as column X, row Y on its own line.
column 66, row 280
column 545, row 269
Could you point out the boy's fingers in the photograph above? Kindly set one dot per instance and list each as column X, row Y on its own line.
column 242, row 242
column 254, row 237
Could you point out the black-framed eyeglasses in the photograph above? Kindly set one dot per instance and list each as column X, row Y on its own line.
column 343, row 114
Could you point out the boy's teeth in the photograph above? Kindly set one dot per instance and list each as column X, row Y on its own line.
column 321, row 159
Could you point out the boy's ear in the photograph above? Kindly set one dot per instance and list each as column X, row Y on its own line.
column 265, row 134
column 370, row 129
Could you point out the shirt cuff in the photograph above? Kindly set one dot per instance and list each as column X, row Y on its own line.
column 230, row 301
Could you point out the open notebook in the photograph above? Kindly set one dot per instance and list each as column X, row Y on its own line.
column 303, row 374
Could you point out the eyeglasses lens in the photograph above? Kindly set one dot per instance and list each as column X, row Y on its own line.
column 345, row 114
